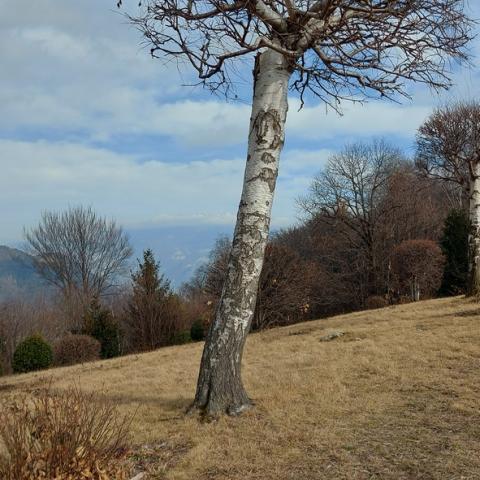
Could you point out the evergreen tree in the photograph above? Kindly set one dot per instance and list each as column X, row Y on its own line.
column 153, row 309
column 99, row 323
column 454, row 243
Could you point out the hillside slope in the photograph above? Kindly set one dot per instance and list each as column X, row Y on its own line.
column 396, row 397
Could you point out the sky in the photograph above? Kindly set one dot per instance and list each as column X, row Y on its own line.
column 89, row 118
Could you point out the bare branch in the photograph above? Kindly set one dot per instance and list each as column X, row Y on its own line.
column 338, row 49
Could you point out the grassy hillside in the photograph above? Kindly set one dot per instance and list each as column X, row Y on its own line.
column 396, row 397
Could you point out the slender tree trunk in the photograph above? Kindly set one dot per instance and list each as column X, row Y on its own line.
column 220, row 388
column 474, row 236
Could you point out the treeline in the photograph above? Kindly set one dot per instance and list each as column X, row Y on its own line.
column 378, row 229
column 375, row 232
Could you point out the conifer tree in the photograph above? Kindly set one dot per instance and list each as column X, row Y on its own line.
column 454, row 243
column 152, row 310
column 99, row 323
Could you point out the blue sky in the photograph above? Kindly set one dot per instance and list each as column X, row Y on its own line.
column 89, row 118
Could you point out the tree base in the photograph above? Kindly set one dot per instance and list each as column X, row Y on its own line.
column 213, row 410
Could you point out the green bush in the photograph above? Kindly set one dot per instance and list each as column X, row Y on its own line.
column 454, row 243
column 181, row 338
column 73, row 349
column 2, row 357
column 99, row 324
column 34, row 353
column 197, row 331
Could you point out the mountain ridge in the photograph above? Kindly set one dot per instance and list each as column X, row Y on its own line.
column 17, row 274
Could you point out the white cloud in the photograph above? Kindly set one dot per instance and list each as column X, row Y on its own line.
column 178, row 256
column 76, row 71
column 42, row 175
column 76, row 67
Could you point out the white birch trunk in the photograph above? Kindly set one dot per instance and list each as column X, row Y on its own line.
column 474, row 236
column 220, row 387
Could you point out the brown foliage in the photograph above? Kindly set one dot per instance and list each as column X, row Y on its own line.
column 417, row 267
column 360, row 208
column 375, row 301
column 73, row 349
column 60, row 436
column 284, row 291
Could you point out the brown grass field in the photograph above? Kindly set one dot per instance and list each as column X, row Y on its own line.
column 396, row 397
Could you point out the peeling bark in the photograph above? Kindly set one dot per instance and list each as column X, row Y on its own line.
column 220, row 388
column 474, row 236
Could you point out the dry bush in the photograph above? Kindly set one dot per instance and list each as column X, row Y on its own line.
column 375, row 301
column 73, row 349
column 66, row 435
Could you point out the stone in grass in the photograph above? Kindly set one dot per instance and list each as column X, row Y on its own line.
column 332, row 336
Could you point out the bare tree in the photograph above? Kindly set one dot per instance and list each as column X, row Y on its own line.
column 418, row 267
column 79, row 252
column 335, row 49
column 351, row 190
column 448, row 149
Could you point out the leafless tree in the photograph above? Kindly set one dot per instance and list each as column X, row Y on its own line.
column 335, row 49
column 418, row 268
column 79, row 252
column 351, row 190
column 448, row 149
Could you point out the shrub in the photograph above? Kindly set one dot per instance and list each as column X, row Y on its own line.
column 181, row 338
column 454, row 243
column 99, row 324
column 63, row 436
column 34, row 353
column 197, row 331
column 375, row 301
column 76, row 349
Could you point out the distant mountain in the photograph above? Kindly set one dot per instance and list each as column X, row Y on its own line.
column 180, row 250
column 17, row 274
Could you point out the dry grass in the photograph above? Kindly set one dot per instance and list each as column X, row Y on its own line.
column 396, row 397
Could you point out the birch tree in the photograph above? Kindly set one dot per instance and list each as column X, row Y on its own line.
column 333, row 49
column 448, row 149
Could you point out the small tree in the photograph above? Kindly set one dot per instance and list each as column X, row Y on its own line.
column 454, row 243
column 153, row 311
column 417, row 266
column 100, row 324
